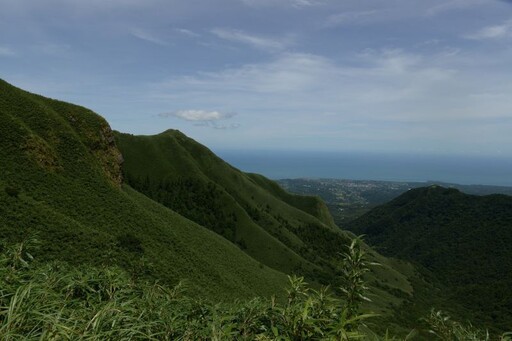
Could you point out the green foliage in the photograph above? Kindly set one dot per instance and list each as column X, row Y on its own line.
column 12, row 191
column 354, row 284
column 200, row 202
column 130, row 242
column 462, row 240
column 305, row 202
column 58, row 301
column 444, row 328
column 53, row 301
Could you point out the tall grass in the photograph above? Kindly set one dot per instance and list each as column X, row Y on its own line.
column 53, row 301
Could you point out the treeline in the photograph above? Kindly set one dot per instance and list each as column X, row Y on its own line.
column 199, row 201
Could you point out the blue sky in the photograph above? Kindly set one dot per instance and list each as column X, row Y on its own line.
column 414, row 76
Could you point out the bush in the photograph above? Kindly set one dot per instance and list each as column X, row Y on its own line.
column 12, row 191
column 59, row 301
column 130, row 243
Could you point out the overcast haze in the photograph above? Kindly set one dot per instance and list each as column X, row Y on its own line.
column 420, row 76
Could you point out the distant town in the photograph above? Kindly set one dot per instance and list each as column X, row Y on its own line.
column 349, row 199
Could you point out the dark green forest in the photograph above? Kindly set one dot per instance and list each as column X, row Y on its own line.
column 464, row 240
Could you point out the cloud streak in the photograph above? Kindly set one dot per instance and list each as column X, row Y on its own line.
column 187, row 32
column 493, row 32
column 199, row 115
column 454, row 5
column 254, row 41
column 147, row 36
column 204, row 118
column 350, row 17
column 279, row 3
column 6, row 52
column 217, row 125
column 388, row 88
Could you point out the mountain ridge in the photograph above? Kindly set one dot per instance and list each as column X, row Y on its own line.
column 241, row 210
column 61, row 182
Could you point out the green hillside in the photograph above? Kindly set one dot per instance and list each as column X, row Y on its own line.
column 464, row 240
column 290, row 233
column 60, row 181
column 313, row 205
column 166, row 208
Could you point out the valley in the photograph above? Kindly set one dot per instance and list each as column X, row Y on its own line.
column 349, row 199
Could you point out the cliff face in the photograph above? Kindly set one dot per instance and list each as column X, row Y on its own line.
column 109, row 155
column 57, row 138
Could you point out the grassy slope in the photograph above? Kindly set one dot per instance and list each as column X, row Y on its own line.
column 464, row 240
column 256, row 202
column 240, row 208
column 309, row 204
column 63, row 161
column 65, row 164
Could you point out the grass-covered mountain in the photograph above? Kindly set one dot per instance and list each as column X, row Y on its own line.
column 286, row 232
column 228, row 233
column 464, row 240
column 289, row 233
column 61, row 181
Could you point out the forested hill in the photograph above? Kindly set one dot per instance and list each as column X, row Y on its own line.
column 465, row 240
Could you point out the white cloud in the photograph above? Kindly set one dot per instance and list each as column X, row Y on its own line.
column 380, row 95
column 349, row 18
column 384, row 84
column 280, row 3
column 6, row 52
column 217, row 125
column 147, row 36
column 188, row 33
column 493, row 32
column 199, row 115
column 257, row 42
column 453, row 5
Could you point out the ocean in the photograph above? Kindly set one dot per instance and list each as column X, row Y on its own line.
column 466, row 170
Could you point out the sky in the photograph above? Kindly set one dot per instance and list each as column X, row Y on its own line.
column 395, row 76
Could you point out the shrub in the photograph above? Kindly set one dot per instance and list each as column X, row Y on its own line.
column 130, row 243
column 12, row 191
column 59, row 301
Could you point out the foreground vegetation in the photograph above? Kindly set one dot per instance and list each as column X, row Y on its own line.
column 54, row 301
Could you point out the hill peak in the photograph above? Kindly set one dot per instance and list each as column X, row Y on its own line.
column 464, row 239
column 172, row 132
column 431, row 191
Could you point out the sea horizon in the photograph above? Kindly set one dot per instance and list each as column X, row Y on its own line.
column 456, row 169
